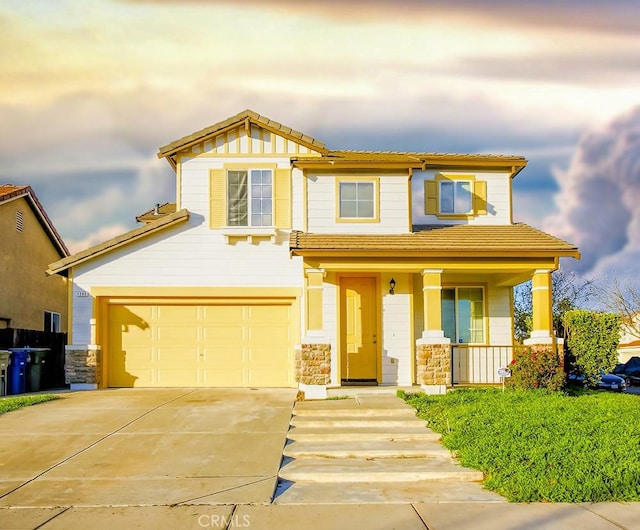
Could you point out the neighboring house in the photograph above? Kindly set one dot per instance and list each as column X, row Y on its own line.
column 629, row 345
column 29, row 299
column 285, row 263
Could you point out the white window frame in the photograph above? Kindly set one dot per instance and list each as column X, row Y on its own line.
column 454, row 184
column 53, row 320
column 457, row 339
column 251, row 209
column 374, row 183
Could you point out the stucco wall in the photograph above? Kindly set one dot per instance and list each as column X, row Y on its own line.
column 25, row 291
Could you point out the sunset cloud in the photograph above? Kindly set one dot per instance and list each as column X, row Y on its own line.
column 89, row 90
column 600, row 193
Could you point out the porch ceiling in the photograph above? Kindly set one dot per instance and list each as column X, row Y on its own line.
column 496, row 271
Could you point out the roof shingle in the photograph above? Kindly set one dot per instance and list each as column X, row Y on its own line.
column 511, row 239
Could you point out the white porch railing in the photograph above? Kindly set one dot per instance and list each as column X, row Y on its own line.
column 478, row 364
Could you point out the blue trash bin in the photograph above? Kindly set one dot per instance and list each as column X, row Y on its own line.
column 18, row 371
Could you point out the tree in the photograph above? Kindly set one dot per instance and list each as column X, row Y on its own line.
column 569, row 292
column 622, row 298
column 592, row 338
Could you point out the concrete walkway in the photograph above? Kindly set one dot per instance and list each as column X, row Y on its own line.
column 209, row 458
column 370, row 448
column 423, row 516
column 145, row 447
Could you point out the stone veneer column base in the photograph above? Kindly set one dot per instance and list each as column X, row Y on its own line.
column 83, row 366
column 433, row 366
column 313, row 369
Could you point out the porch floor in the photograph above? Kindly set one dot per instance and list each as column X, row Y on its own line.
column 338, row 391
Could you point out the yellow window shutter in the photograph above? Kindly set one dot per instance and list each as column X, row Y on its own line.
column 430, row 197
column 480, row 197
column 282, row 198
column 217, row 198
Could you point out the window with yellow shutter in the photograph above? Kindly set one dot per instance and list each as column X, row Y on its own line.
column 454, row 196
column 250, row 197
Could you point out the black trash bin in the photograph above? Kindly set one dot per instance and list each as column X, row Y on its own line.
column 4, row 371
column 36, row 367
column 18, row 370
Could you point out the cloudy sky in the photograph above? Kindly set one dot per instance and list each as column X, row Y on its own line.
column 89, row 89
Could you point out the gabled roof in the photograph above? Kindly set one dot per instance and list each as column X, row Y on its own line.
column 245, row 117
column 344, row 158
column 417, row 159
column 118, row 241
column 158, row 211
column 435, row 240
column 9, row 192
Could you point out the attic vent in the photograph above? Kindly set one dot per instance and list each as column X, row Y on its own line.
column 19, row 220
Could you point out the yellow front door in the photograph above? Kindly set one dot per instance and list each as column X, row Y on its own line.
column 359, row 337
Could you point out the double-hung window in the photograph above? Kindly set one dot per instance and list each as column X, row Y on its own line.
column 463, row 314
column 357, row 200
column 456, row 196
column 250, row 197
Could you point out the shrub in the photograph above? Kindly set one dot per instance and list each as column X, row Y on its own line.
column 536, row 367
column 592, row 338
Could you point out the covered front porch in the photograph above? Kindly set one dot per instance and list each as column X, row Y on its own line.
column 412, row 316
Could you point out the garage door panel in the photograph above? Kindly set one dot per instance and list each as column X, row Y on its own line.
column 228, row 359
column 213, row 344
column 177, row 334
column 223, row 377
column 177, row 377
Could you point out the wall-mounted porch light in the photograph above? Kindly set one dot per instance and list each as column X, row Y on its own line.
column 392, row 286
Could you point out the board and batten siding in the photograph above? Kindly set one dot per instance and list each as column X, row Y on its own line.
column 322, row 206
column 397, row 347
column 500, row 316
column 258, row 141
column 498, row 199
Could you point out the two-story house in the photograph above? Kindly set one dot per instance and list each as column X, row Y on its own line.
column 286, row 263
column 29, row 300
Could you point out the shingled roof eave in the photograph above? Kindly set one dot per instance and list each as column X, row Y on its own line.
column 30, row 196
column 202, row 135
column 117, row 242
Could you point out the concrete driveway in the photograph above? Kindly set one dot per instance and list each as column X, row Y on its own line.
column 126, row 447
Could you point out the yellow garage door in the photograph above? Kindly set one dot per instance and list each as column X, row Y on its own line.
column 184, row 344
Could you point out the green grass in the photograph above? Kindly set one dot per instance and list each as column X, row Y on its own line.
column 10, row 403
column 542, row 446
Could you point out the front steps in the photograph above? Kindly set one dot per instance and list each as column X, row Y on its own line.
column 370, row 448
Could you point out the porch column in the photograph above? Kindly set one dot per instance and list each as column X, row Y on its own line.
column 432, row 297
column 313, row 356
column 315, row 278
column 433, row 350
column 542, row 331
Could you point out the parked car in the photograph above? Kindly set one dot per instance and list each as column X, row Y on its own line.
column 629, row 371
column 611, row 382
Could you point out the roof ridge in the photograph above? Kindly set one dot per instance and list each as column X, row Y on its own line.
column 258, row 119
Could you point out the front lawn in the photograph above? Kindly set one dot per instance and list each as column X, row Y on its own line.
column 542, row 446
column 10, row 403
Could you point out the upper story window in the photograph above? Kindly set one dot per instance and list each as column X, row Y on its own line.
column 357, row 200
column 456, row 196
column 250, row 197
